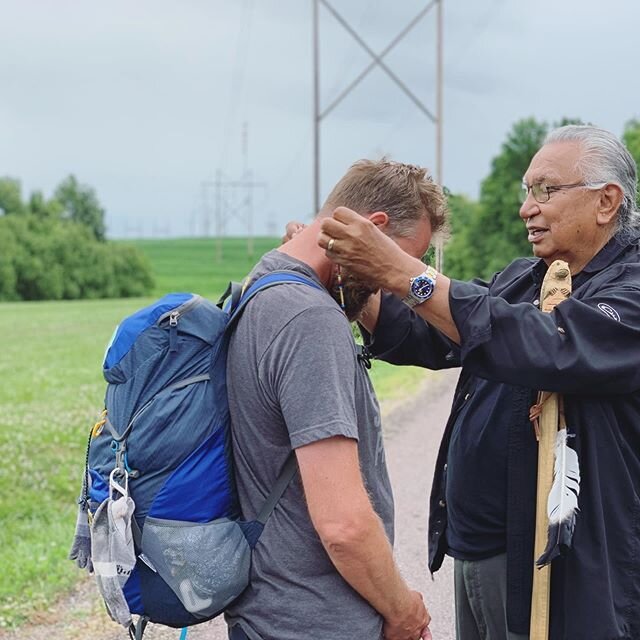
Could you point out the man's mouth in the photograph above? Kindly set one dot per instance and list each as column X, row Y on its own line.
column 535, row 234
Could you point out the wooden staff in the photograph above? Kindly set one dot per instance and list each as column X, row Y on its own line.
column 556, row 287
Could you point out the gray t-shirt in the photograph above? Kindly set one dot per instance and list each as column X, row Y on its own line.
column 293, row 379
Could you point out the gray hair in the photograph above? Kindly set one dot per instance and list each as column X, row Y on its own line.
column 605, row 159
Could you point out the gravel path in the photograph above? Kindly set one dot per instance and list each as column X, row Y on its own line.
column 414, row 432
column 413, row 429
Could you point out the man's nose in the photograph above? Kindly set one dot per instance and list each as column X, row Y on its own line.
column 529, row 207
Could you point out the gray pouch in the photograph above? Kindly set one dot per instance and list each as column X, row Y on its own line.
column 206, row 565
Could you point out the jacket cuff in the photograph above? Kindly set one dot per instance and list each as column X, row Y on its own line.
column 393, row 314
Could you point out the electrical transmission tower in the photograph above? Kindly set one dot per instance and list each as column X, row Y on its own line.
column 232, row 199
column 159, row 230
column 134, row 230
column 377, row 59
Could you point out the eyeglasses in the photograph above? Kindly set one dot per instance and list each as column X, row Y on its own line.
column 541, row 192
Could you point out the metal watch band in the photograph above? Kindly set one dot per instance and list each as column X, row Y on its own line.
column 412, row 298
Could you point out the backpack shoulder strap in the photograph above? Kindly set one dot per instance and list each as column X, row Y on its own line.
column 291, row 465
column 231, row 297
column 264, row 282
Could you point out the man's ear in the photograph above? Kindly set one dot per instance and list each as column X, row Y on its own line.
column 609, row 203
column 380, row 219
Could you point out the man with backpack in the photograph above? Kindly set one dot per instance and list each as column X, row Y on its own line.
column 323, row 566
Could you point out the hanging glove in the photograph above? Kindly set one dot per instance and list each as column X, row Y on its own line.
column 113, row 554
column 81, row 546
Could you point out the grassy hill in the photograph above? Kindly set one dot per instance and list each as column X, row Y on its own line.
column 51, row 394
column 194, row 264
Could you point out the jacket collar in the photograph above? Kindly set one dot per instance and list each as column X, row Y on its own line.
column 610, row 252
column 607, row 255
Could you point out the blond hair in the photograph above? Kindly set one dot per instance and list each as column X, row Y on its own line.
column 405, row 192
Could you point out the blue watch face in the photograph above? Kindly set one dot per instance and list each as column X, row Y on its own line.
column 422, row 287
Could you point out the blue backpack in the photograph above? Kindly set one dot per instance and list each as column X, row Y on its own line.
column 164, row 441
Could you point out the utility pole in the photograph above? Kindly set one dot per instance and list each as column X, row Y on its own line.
column 439, row 248
column 316, row 109
column 159, row 230
column 220, row 221
column 247, row 177
column 134, row 230
column 272, row 225
column 377, row 60
column 205, row 211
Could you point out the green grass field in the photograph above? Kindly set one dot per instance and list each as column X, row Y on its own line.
column 193, row 264
column 51, row 394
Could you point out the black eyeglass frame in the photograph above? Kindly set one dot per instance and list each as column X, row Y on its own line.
column 547, row 189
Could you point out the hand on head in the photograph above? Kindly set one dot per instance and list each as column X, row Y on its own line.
column 292, row 229
column 361, row 246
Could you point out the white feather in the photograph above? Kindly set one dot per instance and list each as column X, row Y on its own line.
column 563, row 497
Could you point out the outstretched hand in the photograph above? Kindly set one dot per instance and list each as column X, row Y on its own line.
column 357, row 244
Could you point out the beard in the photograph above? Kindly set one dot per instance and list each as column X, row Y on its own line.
column 356, row 294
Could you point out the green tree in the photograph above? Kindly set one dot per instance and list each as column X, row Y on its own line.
column 42, row 208
column 631, row 138
column 80, row 203
column 56, row 251
column 458, row 259
column 494, row 234
column 498, row 233
column 38, row 275
column 132, row 271
column 8, row 250
column 10, row 196
column 44, row 258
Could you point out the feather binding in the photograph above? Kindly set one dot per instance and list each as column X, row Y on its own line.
column 562, row 505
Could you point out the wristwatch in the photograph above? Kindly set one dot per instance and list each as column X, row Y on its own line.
column 421, row 287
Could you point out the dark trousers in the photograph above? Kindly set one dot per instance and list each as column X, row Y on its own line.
column 481, row 599
column 236, row 633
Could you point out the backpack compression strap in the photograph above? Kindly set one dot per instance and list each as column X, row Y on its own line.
column 285, row 477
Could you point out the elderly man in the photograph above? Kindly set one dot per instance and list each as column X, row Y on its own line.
column 579, row 196
column 324, row 566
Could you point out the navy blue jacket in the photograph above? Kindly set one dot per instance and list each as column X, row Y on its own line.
column 588, row 349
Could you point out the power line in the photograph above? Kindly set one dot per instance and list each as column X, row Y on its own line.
column 348, row 69
column 377, row 60
column 237, row 77
column 478, row 27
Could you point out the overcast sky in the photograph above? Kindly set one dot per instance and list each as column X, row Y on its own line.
column 145, row 100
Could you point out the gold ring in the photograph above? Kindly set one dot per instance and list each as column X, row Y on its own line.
column 330, row 244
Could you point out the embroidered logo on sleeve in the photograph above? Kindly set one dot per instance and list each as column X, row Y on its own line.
column 608, row 310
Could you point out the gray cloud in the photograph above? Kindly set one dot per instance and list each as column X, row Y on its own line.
column 146, row 100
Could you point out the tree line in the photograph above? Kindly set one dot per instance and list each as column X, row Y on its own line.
column 56, row 248
column 486, row 234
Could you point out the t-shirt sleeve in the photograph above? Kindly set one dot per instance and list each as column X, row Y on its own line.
column 309, row 371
